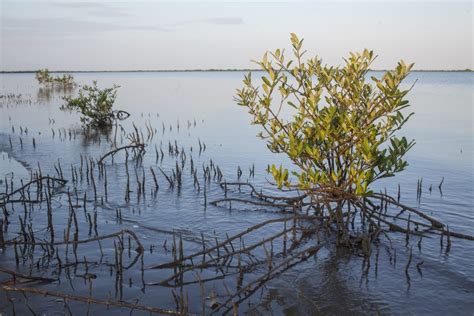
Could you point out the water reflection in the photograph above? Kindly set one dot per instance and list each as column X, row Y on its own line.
column 95, row 135
column 46, row 94
column 336, row 283
column 11, row 169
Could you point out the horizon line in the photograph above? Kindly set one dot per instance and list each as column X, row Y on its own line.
column 203, row 70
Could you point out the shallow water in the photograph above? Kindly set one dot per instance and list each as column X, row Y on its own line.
column 331, row 282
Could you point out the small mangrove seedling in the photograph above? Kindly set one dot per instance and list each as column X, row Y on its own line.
column 44, row 78
column 95, row 105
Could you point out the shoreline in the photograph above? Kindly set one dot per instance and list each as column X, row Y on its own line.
column 195, row 70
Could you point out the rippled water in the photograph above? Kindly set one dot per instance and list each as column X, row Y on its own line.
column 333, row 281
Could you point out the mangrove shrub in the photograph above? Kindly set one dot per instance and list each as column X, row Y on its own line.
column 44, row 77
column 341, row 131
column 96, row 105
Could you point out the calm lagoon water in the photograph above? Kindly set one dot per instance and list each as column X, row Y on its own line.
column 333, row 282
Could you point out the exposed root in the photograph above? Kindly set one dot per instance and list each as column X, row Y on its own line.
column 5, row 198
column 253, row 286
column 18, row 276
column 137, row 148
column 91, row 300
column 229, row 240
column 258, row 203
column 263, row 196
column 76, row 242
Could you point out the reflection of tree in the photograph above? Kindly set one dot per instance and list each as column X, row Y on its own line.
column 46, row 94
column 318, row 289
column 93, row 134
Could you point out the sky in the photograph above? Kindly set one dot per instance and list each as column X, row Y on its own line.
column 178, row 35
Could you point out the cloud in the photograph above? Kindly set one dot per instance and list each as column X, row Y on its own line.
column 82, row 4
column 94, row 8
column 215, row 21
column 109, row 13
column 224, row 21
column 65, row 27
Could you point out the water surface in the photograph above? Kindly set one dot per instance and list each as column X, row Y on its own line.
column 332, row 282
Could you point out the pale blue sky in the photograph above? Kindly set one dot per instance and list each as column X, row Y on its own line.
column 112, row 35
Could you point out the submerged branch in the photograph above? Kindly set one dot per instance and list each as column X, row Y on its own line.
column 91, row 300
column 5, row 197
column 17, row 275
column 75, row 242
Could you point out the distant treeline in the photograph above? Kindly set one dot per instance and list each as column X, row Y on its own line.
column 204, row 70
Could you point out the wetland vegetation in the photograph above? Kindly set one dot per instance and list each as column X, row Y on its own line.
column 152, row 215
column 95, row 105
column 45, row 78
